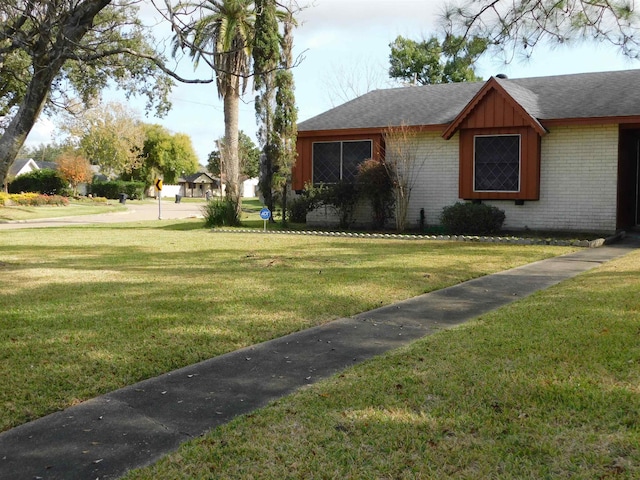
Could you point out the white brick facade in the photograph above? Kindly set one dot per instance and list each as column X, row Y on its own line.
column 578, row 183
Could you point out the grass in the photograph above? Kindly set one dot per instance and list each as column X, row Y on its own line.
column 547, row 387
column 86, row 310
column 16, row 213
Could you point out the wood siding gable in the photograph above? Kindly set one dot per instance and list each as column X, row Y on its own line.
column 493, row 107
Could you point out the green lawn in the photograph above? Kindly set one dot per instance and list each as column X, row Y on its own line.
column 14, row 213
column 545, row 388
column 86, row 310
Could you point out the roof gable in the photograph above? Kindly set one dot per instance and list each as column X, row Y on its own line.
column 498, row 105
column 199, row 177
column 22, row 166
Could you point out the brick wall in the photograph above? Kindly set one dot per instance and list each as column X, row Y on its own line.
column 577, row 186
column 578, row 182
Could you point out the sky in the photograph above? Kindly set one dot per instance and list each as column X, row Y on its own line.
column 340, row 44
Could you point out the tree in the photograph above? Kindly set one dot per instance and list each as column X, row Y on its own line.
column 52, row 52
column 164, row 155
column 286, row 115
column 220, row 33
column 75, row 169
column 248, row 153
column 404, row 161
column 353, row 78
column 43, row 152
column 431, row 61
column 266, row 59
column 110, row 135
column 515, row 26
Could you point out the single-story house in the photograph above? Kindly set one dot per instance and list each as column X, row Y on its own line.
column 21, row 166
column 198, row 184
column 555, row 153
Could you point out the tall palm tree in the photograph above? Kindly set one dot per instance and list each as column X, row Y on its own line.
column 222, row 37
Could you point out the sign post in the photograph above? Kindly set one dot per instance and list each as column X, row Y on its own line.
column 159, row 188
column 265, row 214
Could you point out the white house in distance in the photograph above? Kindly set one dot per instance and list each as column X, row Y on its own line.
column 555, row 153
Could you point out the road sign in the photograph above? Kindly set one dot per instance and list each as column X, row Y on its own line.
column 158, row 184
column 265, row 213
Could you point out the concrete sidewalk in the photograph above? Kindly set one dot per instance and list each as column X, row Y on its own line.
column 105, row 437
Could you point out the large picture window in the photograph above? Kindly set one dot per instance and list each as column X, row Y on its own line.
column 496, row 163
column 335, row 161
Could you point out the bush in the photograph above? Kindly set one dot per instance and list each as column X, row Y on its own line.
column 342, row 197
column 46, row 181
column 304, row 203
column 113, row 189
column 374, row 183
column 471, row 219
column 32, row 199
column 220, row 212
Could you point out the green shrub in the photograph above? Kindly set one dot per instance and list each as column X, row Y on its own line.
column 471, row 219
column 220, row 212
column 304, row 203
column 342, row 197
column 374, row 183
column 112, row 189
column 46, row 181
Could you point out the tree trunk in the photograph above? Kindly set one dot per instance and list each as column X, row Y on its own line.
column 47, row 60
column 232, row 161
column 16, row 133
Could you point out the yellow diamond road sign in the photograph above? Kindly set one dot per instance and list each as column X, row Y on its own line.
column 159, row 184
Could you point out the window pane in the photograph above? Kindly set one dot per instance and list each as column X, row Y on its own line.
column 353, row 153
column 326, row 162
column 497, row 163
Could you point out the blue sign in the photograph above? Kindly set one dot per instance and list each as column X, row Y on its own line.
column 265, row 213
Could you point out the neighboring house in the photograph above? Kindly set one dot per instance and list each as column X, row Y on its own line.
column 198, row 184
column 19, row 167
column 47, row 165
column 555, row 153
column 22, row 166
column 249, row 187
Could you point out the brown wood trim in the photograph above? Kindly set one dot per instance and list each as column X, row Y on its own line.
column 302, row 172
column 561, row 122
column 530, row 148
column 347, row 132
column 492, row 85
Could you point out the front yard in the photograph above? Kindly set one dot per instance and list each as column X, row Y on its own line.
column 87, row 310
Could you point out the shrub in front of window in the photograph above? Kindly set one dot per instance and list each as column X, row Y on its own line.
column 342, row 197
column 472, row 219
column 374, row 184
column 304, row 203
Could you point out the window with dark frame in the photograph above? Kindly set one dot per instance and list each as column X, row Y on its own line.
column 497, row 163
column 335, row 161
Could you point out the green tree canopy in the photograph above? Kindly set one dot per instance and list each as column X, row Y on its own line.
column 109, row 135
column 249, row 156
column 56, row 53
column 165, row 155
column 432, row 61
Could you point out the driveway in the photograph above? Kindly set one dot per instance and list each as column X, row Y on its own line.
column 136, row 212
